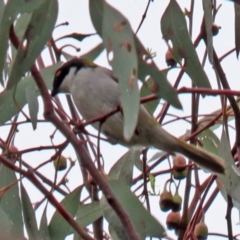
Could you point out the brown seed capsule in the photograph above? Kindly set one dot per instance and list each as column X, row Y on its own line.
column 179, row 167
column 215, row 29
column 165, row 201
column 170, row 59
column 11, row 153
column 201, row 231
column 176, row 202
column 173, row 220
column 60, row 163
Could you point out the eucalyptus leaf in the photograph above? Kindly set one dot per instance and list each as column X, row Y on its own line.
column 2, row 6
column 10, row 101
column 209, row 141
column 208, row 19
column 11, row 10
column 156, row 156
column 88, row 213
column 21, row 24
column 5, row 224
column 231, row 178
column 38, row 32
column 144, row 223
column 29, row 215
column 59, row 228
column 162, row 87
column 94, row 53
column 174, row 28
column 165, row 91
column 96, row 14
column 77, row 36
column 237, row 27
column 43, row 229
column 113, row 234
column 118, row 39
column 33, row 106
column 123, row 169
column 10, row 202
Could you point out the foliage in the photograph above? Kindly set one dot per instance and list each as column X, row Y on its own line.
column 29, row 57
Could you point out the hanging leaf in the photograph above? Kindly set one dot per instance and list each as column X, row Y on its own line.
column 123, row 168
column 231, row 179
column 174, row 28
column 29, row 215
column 163, row 87
column 237, row 27
column 88, row 213
column 43, row 229
column 208, row 20
column 209, row 141
column 11, row 10
column 96, row 14
column 8, row 107
column 144, row 223
column 59, row 228
column 77, row 36
column 94, row 53
column 145, row 69
column 38, row 32
column 33, row 106
column 21, row 24
column 10, row 202
column 118, row 39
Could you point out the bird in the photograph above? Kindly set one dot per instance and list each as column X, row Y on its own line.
column 95, row 92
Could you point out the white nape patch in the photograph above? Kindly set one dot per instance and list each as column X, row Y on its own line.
column 68, row 80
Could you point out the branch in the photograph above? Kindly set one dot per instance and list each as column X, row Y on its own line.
column 78, row 145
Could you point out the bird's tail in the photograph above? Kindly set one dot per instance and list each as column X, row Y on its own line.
column 198, row 155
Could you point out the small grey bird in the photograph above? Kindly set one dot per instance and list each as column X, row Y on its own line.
column 95, row 93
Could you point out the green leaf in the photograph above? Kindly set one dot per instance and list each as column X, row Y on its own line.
column 33, row 106
column 152, row 180
column 29, row 215
column 144, row 223
column 96, row 14
column 59, row 228
column 209, row 141
column 11, row 11
column 208, row 19
column 113, row 234
column 156, row 156
column 43, row 229
column 2, row 6
column 8, row 106
column 5, row 223
column 174, row 28
column 94, row 53
column 164, row 89
column 123, row 168
column 10, row 202
column 237, row 27
column 88, row 213
column 231, row 179
column 77, row 36
column 38, row 32
column 118, row 39
column 21, row 24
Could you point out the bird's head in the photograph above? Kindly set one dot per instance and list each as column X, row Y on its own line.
column 68, row 70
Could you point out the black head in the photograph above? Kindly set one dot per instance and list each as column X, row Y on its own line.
column 63, row 71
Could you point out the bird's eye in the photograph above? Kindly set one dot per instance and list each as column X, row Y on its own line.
column 58, row 73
